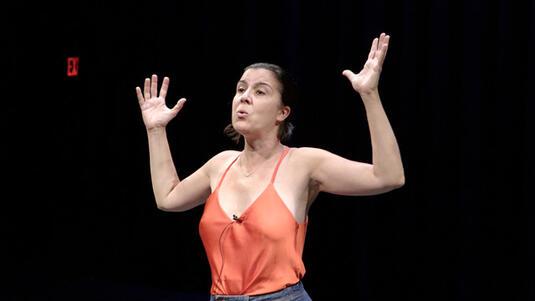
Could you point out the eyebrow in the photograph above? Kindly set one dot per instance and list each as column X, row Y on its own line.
column 256, row 84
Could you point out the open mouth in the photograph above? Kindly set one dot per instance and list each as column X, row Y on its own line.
column 241, row 114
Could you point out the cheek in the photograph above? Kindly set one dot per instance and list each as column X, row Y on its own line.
column 235, row 103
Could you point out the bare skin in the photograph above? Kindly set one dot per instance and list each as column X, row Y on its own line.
column 257, row 112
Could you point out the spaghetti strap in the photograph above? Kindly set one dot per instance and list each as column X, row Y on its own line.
column 226, row 170
column 284, row 153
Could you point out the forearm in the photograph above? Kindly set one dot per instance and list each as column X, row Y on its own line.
column 163, row 173
column 387, row 164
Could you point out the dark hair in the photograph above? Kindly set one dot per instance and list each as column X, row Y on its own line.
column 288, row 98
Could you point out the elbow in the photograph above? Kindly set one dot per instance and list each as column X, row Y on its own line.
column 395, row 183
column 400, row 182
column 165, row 205
column 162, row 205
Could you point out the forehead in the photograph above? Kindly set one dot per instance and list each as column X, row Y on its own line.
column 254, row 75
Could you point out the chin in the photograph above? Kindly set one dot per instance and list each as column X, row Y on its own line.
column 241, row 128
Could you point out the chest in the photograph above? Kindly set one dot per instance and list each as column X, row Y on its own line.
column 239, row 194
column 239, row 191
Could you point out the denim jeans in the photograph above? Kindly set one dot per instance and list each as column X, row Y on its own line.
column 295, row 292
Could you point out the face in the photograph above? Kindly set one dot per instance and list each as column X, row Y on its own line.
column 257, row 107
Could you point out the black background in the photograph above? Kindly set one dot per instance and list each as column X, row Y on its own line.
column 78, row 217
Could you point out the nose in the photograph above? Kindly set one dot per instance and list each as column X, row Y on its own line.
column 245, row 97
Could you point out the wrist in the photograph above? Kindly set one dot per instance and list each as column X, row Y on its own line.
column 369, row 95
column 156, row 130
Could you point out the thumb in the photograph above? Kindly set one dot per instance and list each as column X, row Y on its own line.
column 178, row 106
column 348, row 73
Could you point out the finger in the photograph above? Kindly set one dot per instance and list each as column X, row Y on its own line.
column 146, row 88
column 371, row 55
column 165, row 86
column 139, row 96
column 383, row 49
column 178, row 106
column 154, row 86
column 348, row 73
column 381, row 39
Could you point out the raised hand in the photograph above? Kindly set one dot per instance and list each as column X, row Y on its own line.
column 153, row 108
column 367, row 80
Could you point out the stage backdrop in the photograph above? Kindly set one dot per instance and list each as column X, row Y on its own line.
column 78, row 217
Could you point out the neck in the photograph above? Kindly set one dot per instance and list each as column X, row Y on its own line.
column 258, row 150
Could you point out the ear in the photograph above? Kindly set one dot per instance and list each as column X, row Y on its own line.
column 284, row 112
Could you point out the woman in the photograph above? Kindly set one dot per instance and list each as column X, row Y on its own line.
column 256, row 201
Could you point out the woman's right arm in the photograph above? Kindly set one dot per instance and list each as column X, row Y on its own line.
column 170, row 192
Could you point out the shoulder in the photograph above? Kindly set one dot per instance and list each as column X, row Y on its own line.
column 221, row 159
column 307, row 156
column 308, row 153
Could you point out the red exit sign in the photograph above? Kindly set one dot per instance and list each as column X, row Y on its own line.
column 72, row 66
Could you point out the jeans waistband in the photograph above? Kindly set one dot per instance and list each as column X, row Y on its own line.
column 285, row 291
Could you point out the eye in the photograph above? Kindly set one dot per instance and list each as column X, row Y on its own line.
column 240, row 89
column 260, row 92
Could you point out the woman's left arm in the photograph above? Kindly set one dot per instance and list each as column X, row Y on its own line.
column 338, row 175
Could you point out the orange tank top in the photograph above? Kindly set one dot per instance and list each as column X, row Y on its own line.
column 259, row 252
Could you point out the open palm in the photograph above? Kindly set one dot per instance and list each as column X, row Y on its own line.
column 367, row 80
column 153, row 108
